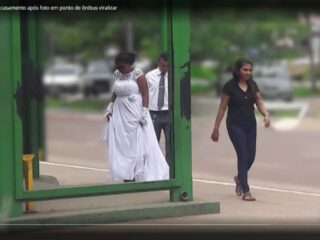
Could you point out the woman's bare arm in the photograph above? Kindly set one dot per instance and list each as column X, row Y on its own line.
column 113, row 97
column 262, row 109
column 143, row 87
column 222, row 108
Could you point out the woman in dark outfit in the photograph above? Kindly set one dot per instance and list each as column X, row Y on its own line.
column 240, row 94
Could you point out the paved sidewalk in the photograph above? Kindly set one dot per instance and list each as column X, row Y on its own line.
column 273, row 206
column 275, row 211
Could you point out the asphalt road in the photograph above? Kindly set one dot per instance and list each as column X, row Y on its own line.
column 284, row 159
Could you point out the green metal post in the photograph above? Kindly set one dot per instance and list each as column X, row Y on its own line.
column 40, row 94
column 29, row 66
column 10, row 117
column 179, row 34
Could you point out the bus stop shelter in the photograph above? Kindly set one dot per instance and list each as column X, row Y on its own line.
column 22, row 123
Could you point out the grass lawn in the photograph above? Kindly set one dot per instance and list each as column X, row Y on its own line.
column 284, row 113
column 302, row 91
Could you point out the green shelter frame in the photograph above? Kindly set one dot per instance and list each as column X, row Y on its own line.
column 22, row 114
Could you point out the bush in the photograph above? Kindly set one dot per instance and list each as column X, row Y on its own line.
column 205, row 73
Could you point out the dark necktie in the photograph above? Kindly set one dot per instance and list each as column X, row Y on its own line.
column 161, row 92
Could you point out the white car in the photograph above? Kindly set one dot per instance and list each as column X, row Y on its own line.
column 62, row 78
column 97, row 78
column 274, row 82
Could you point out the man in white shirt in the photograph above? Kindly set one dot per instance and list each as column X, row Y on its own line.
column 157, row 80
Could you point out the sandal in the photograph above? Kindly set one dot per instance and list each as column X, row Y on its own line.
column 238, row 189
column 248, row 197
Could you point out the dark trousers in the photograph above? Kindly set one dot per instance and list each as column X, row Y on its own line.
column 244, row 142
column 161, row 121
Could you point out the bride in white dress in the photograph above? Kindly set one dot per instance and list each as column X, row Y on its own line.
column 133, row 150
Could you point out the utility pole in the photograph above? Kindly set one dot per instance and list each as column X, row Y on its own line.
column 129, row 36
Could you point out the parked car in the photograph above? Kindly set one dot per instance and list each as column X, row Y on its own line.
column 274, row 82
column 62, row 78
column 97, row 78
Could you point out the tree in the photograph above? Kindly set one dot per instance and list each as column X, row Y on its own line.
column 84, row 35
column 224, row 34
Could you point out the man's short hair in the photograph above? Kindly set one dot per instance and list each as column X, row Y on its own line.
column 163, row 56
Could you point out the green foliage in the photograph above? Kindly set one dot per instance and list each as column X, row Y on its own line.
column 198, row 89
column 284, row 113
column 220, row 33
column 302, row 91
column 148, row 48
column 224, row 34
column 202, row 78
column 84, row 36
column 204, row 73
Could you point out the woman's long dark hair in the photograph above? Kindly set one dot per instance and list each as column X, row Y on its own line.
column 239, row 63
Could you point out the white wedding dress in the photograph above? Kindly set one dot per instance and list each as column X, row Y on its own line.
column 133, row 150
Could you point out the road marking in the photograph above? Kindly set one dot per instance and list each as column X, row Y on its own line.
column 288, row 123
column 260, row 188
column 74, row 166
column 194, row 180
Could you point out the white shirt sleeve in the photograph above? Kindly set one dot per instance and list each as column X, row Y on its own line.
column 147, row 78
